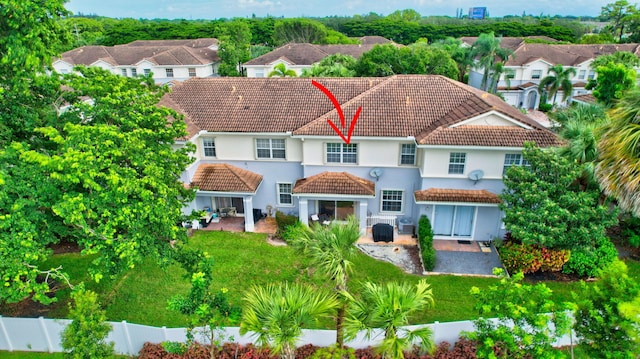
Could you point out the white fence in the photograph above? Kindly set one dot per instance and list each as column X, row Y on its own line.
column 372, row 220
column 43, row 335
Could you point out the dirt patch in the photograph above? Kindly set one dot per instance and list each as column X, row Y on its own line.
column 551, row 276
column 406, row 257
column 65, row 247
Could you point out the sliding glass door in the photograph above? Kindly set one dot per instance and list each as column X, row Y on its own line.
column 453, row 221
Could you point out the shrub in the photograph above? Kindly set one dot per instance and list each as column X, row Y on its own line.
column 525, row 258
column 294, row 231
column 425, row 237
column 545, row 107
column 175, row 347
column 332, row 352
column 630, row 227
column 588, row 261
column 285, row 220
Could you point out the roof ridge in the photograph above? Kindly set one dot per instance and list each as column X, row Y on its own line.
column 357, row 180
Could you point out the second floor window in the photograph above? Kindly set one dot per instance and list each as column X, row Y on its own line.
column 513, row 159
column 582, row 74
column 536, row 74
column 192, row 72
column 408, row 154
column 147, row 72
column 270, row 148
column 342, row 153
column 124, row 72
column 169, row 72
column 457, row 161
column 134, row 72
column 592, row 75
column 209, row 147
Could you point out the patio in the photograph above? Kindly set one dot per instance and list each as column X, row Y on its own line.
column 236, row 224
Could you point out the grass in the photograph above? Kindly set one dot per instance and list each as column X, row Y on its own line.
column 243, row 259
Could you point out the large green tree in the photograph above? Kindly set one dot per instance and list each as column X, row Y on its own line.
column 559, row 78
column 335, row 65
column 613, row 82
column 487, row 51
column 544, row 205
column 436, row 61
column 619, row 15
column 235, row 37
column 331, row 250
column 387, row 60
column 619, row 168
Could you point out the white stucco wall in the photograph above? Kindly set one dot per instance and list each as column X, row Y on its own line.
column 371, row 152
column 243, row 147
column 436, row 162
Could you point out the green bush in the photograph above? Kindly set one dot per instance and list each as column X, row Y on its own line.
column 285, row 220
column 588, row 261
column 425, row 237
column 545, row 107
column 294, row 231
column 630, row 227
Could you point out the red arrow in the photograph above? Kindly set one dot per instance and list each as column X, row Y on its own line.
column 336, row 104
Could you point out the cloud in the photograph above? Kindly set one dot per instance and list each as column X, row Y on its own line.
column 255, row 4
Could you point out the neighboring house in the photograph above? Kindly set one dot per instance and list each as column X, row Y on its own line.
column 168, row 60
column 531, row 62
column 422, row 145
column 299, row 56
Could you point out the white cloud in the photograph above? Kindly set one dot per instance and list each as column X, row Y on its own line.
column 255, row 4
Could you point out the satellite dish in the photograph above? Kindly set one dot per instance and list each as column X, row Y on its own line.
column 476, row 175
column 376, row 173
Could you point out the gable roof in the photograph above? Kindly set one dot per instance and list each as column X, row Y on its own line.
column 395, row 106
column 159, row 52
column 308, row 54
column 456, row 195
column 223, row 177
column 341, row 183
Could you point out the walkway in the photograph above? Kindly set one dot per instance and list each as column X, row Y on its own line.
column 465, row 258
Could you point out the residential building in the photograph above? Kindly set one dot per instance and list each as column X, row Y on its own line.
column 299, row 56
column 422, row 145
column 168, row 60
column 530, row 64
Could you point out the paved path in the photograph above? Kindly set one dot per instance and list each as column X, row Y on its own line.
column 467, row 262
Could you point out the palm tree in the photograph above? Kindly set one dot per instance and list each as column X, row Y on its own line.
column 330, row 249
column 619, row 148
column 494, row 77
column 389, row 308
column 280, row 70
column 277, row 313
column 558, row 77
column 487, row 50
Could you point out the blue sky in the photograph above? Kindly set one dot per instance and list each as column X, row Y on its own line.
column 213, row 9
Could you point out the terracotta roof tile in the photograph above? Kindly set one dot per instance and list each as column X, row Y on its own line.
column 335, row 183
column 222, row 177
column 308, row 54
column 456, row 195
column 498, row 136
column 396, row 106
column 587, row 98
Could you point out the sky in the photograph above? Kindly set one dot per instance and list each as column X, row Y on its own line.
column 214, row 9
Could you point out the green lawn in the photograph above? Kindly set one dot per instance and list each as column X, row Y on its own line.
column 242, row 259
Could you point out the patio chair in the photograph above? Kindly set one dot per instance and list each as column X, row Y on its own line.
column 382, row 232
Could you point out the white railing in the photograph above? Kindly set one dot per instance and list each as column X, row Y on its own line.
column 371, row 220
column 43, row 335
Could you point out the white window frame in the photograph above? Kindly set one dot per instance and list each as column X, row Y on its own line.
column 454, row 160
column 123, row 72
column 342, row 153
column 382, row 200
column 536, row 74
column 206, row 146
column 513, row 159
column 592, row 75
column 192, row 71
column 279, row 193
column 453, row 222
column 270, row 148
column 260, row 74
column 169, row 72
column 582, row 74
column 146, row 71
column 403, row 154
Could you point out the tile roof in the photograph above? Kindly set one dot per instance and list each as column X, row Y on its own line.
column 456, row 195
column 586, row 98
column 161, row 52
column 396, row 106
column 222, row 177
column 498, row 136
column 308, row 54
column 342, row 183
column 567, row 55
column 373, row 40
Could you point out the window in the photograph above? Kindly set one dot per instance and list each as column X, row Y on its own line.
column 169, row 72
column 147, row 71
column 536, row 74
column 284, row 194
column 260, row 74
column 342, row 153
column 456, row 163
column 513, row 159
column 192, row 72
column 582, row 74
column 453, row 221
column 592, row 74
column 124, row 72
column 270, row 148
column 209, row 146
column 510, row 75
column 134, row 72
column 408, row 154
column 392, row 200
